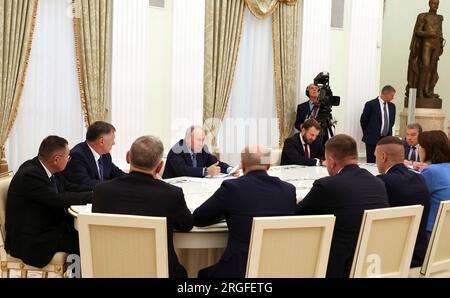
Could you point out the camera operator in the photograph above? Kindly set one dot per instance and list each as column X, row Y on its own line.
column 310, row 108
column 319, row 107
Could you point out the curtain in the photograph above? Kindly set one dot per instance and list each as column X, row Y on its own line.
column 363, row 68
column 285, row 41
column 187, row 66
column 223, row 27
column 134, row 111
column 251, row 116
column 316, row 31
column 17, row 20
column 50, row 104
column 264, row 8
column 92, row 23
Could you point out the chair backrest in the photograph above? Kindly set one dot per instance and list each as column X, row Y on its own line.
column 386, row 242
column 437, row 257
column 290, row 246
column 275, row 156
column 4, row 186
column 123, row 246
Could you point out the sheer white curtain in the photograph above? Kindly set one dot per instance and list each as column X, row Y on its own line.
column 364, row 66
column 187, row 66
column 314, row 51
column 251, row 117
column 131, row 70
column 50, row 104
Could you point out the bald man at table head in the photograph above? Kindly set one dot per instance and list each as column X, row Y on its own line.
column 238, row 201
column 143, row 193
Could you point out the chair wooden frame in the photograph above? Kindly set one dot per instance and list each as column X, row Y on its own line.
column 369, row 217
column 275, row 156
column 430, row 266
column 8, row 263
column 261, row 224
column 158, row 224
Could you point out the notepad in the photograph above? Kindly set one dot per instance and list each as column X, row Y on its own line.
column 233, row 170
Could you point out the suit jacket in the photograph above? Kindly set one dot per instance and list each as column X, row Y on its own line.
column 345, row 195
column 408, row 149
column 294, row 152
column 303, row 111
column 437, row 178
column 371, row 121
column 239, row 201
column 82, row 168
column 179, row 162
column 142, row 195
column 36, row 215
column 406, row 188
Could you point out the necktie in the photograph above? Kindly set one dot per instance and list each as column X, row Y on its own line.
column 386, row 121
column 413, row 154
column 315, row 110
column 306, row 151
column 55, row 186
column 194, row 160
column 100, row 168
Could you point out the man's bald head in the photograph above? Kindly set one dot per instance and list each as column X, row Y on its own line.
column 389, row 152
column 146, row 153
column 255, row 158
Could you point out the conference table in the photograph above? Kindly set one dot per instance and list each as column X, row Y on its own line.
column 202, row 247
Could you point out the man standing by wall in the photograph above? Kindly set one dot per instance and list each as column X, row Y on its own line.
column 377, row 120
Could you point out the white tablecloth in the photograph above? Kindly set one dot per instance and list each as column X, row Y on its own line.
column 203, row 247
column 198, row 190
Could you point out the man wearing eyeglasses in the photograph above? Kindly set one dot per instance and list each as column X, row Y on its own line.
column 37, row 223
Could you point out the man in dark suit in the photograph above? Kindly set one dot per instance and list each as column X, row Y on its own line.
column 411, row 143
column 91, row 161
column 37, row 223
column 256, row 194
column 404, row 188
column 377, row 120
column 310, row 108
column 347, row 193
column 304, row 148
column 191, row 157
column 142, row 193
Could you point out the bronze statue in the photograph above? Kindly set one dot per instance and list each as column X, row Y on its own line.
column 427, row 45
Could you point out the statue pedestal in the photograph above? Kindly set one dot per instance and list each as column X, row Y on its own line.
column 426, row 103
column 430, row 119
column 3, row 169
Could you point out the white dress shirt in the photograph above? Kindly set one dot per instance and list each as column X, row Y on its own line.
column 309, row 150
column 96, row 158
column 49, row 174
column 411, row 152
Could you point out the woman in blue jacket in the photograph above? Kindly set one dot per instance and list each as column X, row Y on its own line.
column 435, row 151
